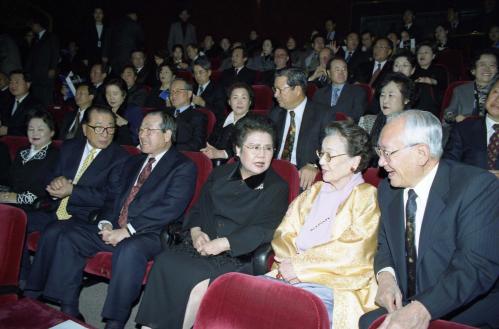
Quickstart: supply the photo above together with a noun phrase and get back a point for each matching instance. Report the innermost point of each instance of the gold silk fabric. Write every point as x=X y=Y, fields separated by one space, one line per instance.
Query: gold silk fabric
x=345 y=263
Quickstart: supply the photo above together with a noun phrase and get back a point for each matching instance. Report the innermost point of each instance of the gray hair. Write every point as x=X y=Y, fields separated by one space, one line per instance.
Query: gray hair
x=421 y=127
x=296 y=78
x=188 y=85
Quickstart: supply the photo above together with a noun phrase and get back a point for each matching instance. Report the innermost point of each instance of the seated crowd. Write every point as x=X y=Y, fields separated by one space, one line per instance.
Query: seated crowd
x=107 y=169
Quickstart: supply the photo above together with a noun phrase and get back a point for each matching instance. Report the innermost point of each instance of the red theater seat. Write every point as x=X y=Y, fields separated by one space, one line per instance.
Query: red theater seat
x=369 y=92
x=12 y=231
x=448 y=95
x=437 y=324
x=212 y=120
x=236 y=300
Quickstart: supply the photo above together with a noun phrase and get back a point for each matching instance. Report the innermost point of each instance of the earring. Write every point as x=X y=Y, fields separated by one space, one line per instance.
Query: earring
x=352 y=169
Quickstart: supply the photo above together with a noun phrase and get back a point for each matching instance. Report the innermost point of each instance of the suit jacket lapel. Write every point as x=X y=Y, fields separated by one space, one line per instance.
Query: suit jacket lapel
x=395 y=233
x=434 y=206
x=132 y=176
x=74 y=165
x=162 y=168
x=98 y=164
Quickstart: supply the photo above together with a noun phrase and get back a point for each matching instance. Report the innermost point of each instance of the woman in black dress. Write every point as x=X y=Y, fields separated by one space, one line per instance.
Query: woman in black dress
x=159 y=97
x=33 y=164
x=219 y=146
x=240 y=206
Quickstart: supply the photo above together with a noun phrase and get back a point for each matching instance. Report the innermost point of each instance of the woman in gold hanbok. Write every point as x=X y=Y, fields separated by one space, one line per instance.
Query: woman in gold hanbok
x=327 y=239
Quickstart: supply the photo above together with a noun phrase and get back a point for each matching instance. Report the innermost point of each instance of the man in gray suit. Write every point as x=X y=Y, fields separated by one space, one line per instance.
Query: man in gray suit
x=437 y=254
x=341 y=96
x=182 y=32
x=469 y=99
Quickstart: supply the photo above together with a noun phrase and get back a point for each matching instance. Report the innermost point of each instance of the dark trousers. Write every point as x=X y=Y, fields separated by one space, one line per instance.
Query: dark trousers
x=60 y=276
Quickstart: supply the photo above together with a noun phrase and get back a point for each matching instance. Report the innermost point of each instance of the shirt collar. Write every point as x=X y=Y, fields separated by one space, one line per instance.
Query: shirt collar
x=183 y=108
x=253 y=182
x=157 y=157
x=489 y=123
x=41 y=33
x=422 y=188
x=20 y=100
x=300 y=108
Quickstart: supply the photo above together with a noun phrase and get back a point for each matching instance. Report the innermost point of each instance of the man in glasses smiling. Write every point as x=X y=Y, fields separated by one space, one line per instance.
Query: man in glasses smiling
x=437 y=252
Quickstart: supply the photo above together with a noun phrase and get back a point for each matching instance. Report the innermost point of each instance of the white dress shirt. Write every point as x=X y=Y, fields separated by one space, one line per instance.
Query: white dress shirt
x=299 y=110
x=489 y=124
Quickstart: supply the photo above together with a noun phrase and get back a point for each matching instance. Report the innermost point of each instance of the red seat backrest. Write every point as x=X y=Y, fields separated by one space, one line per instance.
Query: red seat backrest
x=15 y=143
x=12 y=231
x=311 y=89
x=185 y=75
x=215 y=75
x=340 y=116
x=289 y=173
x=369 y=92
x=452 y=59
x=204 y=167
x=212 y=120
x=237 y=300
x=263 y=98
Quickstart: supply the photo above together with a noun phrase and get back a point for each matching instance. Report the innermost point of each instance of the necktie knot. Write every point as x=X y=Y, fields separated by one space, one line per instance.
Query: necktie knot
x=292 y=114
x=177 y=112
x=496 y=127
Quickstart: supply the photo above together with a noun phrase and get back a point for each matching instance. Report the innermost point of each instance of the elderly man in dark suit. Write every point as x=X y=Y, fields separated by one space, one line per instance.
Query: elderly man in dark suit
x=299 y=122
x=437 y=252
x=191 y=124
x=155 y=189
x=14 y=116
x=476 y=141
x=341 y=96
x=42 y=61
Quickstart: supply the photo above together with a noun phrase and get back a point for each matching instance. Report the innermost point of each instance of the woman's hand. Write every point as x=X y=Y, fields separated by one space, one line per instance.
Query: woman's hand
x=199 y=238
x=214 y=247
x=427 y=80
x=286 y=270
x=213 y=153
x=120 y=121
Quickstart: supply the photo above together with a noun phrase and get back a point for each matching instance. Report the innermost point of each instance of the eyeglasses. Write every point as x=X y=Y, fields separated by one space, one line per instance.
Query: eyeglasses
x=280 y=90
x=387 y=155
x=177 y=91
x=259 y=148
x=148 y=131
x=328 y=157
x=100 y=130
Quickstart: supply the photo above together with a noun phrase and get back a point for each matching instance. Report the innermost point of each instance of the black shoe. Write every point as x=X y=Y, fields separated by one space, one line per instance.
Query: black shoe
x=114 y=324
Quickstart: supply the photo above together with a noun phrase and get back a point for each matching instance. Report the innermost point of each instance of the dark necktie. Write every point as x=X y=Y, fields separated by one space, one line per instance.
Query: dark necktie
x=74 y=126
x=177 y=112
x=349 y=57
x=375 y=74
x=144 y=174
x=290 y=138
x=14 y=109
x=200 y=90
x=410 y=246
x=493 y=148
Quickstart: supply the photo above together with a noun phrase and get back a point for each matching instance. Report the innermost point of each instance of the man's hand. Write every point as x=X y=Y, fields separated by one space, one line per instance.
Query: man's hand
x=307 y=176
x=214 y=247
x=4 y=130
x=495 y=172
x=113 y=237
x=199 y=238
x=388 y=295
x=60 y=187
x=411 y=316
x=198 y=100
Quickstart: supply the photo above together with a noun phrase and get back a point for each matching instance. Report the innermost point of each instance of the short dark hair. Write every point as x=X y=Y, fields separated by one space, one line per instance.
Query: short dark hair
x=296 y=77
x=118 y=82
x=245 y=86
x=104 y=68
x=44 y=116
x=26 y=75
x=335 y=58
x=407 y=54
x=204 y=62
x=193 y=45
x=358 y=141
x=165 y=64
x=129 y=66
x=378 y=39
x=252 y=123
x=318 y=35
x=90 y=87
x=97 y=109
x=245 y=51
x=405 y=84
x=282 y=48
x=167 y=122
x=426 y=44
x=479 y=54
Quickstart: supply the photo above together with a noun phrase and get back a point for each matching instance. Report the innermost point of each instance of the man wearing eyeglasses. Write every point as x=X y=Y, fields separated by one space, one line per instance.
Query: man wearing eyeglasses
x=438 y=256
x=87 y=169
x=374 y=72
x=155 y=189
x=299 y=122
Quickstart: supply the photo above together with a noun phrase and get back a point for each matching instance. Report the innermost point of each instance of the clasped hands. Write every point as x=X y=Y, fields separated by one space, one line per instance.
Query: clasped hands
x=113 y=237
x=286 y=270
x=204 y=246
x=60 y=187
x=389 y=296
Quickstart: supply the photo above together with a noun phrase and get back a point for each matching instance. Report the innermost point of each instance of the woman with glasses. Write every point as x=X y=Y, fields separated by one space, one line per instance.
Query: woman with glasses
x=240 y=206
x=32 y=164
x=219 y=146
x=128 y=117
x=327 y=240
